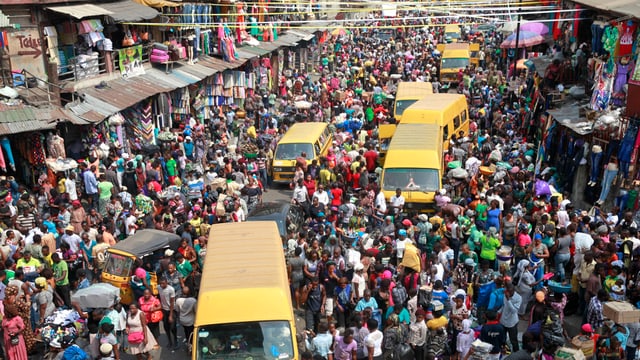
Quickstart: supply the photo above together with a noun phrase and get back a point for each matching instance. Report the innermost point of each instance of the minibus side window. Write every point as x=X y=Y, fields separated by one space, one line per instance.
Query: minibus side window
x=317 y=148
x=456 y=122
x=445 y=134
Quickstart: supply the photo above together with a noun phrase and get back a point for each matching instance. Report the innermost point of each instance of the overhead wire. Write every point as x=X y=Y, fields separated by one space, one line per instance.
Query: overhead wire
x=354 y=23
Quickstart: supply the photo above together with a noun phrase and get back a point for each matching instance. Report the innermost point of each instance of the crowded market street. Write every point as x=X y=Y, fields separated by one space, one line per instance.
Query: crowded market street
x=446 y=180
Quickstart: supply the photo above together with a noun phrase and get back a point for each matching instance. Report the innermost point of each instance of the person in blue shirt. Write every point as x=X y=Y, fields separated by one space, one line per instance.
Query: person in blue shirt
x=403 y=314
x=188 y=147
x=496 y=299
x=366 y=302
x=83 y=282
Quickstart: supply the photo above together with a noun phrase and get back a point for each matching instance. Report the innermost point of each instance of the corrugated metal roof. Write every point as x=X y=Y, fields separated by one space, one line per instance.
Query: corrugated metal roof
x=245 y=54
x=21 y=118
x=288 y=39
x=255 y=50
x=120 y=11
x=119 y=95
x=80 y=11
x=622 y=7
x=128 y=10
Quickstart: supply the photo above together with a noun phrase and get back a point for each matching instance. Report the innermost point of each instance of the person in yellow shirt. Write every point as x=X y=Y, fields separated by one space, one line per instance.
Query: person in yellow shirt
x=46 y=257
x=251 y=131
x=29 y=265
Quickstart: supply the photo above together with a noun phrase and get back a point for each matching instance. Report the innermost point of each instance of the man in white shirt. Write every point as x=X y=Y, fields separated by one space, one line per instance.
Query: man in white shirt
x=321 y=195
x=70 y=187
x=397 y=202
x=373 y=341
x=381 y=204
x=71 y=238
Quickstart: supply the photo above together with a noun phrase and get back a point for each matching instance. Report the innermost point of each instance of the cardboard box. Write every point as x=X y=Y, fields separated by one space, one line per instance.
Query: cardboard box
x=583 y=343
x=565 y=353
x=621 y=312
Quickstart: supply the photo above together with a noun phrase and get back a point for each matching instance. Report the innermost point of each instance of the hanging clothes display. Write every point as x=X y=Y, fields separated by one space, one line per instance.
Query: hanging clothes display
x=6 y=146
x=627 y=35
x=140 y=122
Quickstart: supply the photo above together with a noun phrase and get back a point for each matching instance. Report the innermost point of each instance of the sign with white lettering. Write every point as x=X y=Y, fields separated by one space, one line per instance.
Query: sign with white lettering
x=25 y=51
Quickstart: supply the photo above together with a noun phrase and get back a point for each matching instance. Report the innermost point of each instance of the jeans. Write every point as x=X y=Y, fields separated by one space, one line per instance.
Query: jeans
x=582 y=303
x=513 y=337
x=155 y=329
x=312 y=318
x=170 y=327
x=561 y=262
x=596 y=158
x=65 y=293
x=609 y=176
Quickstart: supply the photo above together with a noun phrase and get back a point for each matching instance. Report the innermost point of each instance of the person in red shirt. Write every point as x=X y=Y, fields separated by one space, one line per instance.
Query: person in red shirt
x=371 y=156
x=355 y=179
x=310 y=184
x=336 y=195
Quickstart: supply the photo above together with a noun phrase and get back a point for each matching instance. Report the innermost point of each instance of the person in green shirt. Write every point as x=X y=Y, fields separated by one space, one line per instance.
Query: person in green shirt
x=105 y=191
x=183 y=265
x=475 y=239
x=61 y=277
x=490 y=244
x=481 y=210
x=172 y=169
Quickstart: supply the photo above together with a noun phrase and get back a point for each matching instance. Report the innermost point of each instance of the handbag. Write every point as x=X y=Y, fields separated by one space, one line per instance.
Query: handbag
x=15 y=339
x=135 y=337
x=156 y=316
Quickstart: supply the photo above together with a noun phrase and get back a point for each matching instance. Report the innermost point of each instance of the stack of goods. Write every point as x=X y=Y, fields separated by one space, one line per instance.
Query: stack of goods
x=177 y=51
x=62 y=328
x=159 y=53
x=481 y=349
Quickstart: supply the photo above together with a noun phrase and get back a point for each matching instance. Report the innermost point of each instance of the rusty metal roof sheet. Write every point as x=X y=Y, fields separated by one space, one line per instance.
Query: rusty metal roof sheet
x=23 y=118
x=120 y=11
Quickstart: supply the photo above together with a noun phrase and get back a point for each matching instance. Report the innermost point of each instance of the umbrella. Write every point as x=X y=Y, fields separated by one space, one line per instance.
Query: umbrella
x=526 y=39
x=99 y=295
x=510 y=27
x=340 y=32
x=535 y=27
x=302 y=105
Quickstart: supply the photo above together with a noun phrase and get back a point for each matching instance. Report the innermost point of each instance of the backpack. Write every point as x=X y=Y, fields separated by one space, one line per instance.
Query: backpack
x=399 y=294
x=229 y=204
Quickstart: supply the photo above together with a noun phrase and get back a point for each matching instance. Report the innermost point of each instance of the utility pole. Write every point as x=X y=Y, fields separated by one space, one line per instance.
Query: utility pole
x=517 y=54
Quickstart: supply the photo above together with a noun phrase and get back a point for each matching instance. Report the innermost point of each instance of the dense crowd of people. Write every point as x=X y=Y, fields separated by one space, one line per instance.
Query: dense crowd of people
x=373 y=279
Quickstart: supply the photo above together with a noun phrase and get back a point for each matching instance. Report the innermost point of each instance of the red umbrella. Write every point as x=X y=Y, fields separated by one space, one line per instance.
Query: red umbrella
x=526 y=39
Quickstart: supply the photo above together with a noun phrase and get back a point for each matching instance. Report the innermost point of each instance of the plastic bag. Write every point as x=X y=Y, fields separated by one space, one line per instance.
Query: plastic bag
x=542 y=188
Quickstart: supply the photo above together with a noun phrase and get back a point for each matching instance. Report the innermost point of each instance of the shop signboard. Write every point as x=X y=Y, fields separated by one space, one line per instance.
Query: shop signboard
x=26 y=53
x=130 y=61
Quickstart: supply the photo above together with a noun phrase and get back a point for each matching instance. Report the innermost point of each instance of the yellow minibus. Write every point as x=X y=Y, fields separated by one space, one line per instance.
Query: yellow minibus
x=408 y=93
x=449 y=111
x=414 y=165
x=452 y=33
x=244 y=306
x=312 y=138
x=455 y=56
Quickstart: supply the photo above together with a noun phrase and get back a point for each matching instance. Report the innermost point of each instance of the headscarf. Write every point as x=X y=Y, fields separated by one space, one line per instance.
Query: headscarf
x=10 y=310
x=522 y=267
x=466 y=325
x=11 y=290
x=395 y=319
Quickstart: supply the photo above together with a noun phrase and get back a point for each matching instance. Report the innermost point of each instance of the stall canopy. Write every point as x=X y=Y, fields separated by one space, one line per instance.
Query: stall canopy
x=120 y=11
x=158 y=3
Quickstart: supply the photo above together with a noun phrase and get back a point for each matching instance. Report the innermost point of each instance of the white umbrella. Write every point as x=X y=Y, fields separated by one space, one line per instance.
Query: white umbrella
x=510 y=26
x=302 y=105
